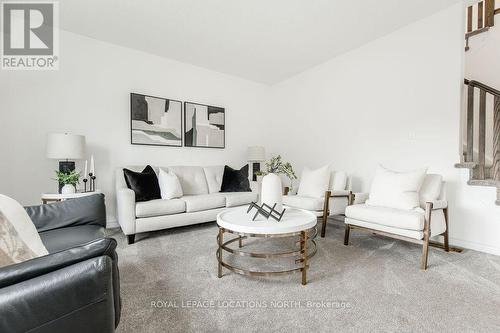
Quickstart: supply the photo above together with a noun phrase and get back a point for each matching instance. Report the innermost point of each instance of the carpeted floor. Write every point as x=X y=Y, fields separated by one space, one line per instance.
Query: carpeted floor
x=169 y=284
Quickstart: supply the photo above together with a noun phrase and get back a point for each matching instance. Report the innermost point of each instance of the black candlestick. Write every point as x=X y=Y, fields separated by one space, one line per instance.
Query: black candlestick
x=85 y=180
x=93 y=183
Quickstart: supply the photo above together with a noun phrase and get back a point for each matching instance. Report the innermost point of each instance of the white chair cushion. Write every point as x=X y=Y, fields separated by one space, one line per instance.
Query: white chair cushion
x=338 y=181
x=431 y=189
x=21 y=222
x=214 y=176
x=392 y=217
x=396 y=189
x=302 y=202
x=438 y=226
x=195 y=203
x=314 y=183
x=192 y=178
x=159 y=207
x=170 y=186
x=234 y=199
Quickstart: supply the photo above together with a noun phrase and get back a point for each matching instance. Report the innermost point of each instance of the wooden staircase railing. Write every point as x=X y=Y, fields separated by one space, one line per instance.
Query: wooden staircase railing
x=485 y=19
x=481 y=174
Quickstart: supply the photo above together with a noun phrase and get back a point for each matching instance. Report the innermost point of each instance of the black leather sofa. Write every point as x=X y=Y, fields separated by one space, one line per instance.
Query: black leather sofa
x=76 y=288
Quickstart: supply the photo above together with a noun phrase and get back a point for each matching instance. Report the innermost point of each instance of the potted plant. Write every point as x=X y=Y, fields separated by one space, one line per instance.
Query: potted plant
x=259 y=175
x=272 y=188
x=69 y=180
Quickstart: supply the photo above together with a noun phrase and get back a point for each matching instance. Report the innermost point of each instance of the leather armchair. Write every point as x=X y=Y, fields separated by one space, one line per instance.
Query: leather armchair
x=73 y=289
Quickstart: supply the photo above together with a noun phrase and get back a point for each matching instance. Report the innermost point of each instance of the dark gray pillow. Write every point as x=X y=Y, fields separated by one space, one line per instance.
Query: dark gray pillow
x=144 y=184
x=235 y=180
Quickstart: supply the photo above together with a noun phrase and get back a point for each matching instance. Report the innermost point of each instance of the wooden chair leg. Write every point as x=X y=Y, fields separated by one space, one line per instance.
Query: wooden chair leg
x=323 y=225
x=427 y=235
x=446 y=243
x=347 y=233
x=326 y=212
x=425 y=254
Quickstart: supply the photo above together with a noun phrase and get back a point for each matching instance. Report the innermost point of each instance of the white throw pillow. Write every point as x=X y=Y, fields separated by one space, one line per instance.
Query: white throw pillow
x=396 y=189
x=314 y=183
x=214 y=176
x=21 y=222
x=170 y=186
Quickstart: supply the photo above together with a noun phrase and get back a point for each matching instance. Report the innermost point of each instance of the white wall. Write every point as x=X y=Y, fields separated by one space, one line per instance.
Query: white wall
x=90 y=95
x=394 y=101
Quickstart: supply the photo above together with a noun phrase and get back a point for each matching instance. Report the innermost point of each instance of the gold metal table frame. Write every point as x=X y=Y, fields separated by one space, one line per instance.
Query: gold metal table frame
x=304 y=253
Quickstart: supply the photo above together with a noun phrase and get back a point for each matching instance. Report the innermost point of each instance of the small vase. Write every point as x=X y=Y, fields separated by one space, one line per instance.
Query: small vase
x=272 y=191
x=68 y=189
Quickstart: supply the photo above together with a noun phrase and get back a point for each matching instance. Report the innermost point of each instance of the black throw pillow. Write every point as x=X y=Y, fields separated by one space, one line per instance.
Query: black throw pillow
x=144 y=184
x=235 y=180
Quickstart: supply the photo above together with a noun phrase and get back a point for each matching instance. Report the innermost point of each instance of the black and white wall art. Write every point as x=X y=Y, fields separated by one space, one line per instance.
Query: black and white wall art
x=155 y=121
x=204 y=126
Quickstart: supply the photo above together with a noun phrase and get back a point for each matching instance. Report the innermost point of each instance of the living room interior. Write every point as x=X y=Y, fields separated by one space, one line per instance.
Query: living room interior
x=222 y=166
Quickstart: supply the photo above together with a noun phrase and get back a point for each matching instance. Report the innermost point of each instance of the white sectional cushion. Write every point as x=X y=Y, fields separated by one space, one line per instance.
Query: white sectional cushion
x=396 y=189
x=307 y=203
x=159 y=207
x=338 y=181
x=392 y=217
x=195 y=203
x=314 y=183
x=192 y=179
x=214 y=176
x=234 y=199
x=431 y=189
x=170 y=186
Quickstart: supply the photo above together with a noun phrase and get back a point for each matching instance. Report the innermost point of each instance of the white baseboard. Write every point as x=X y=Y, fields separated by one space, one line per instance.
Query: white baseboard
x=475 y=246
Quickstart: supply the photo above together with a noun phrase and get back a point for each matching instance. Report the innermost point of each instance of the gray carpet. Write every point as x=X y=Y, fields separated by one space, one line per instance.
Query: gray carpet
x=373 y=285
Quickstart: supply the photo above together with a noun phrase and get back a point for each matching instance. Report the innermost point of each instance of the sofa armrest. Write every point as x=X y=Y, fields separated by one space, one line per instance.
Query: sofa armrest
x=360 y=198
x=75 y=298
x=32 y=268
x=125 y=205
x=89 y=210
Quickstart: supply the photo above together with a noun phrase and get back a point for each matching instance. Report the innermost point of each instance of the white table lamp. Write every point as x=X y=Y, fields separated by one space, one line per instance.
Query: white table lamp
x=66 y=148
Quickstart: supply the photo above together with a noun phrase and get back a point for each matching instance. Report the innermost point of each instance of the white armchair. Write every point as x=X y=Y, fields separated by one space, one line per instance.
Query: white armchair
x=333 y=195
x=417 y=225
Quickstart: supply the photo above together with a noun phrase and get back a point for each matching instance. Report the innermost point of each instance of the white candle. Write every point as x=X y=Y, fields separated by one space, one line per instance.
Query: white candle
x=85 y=174
x=92 y=165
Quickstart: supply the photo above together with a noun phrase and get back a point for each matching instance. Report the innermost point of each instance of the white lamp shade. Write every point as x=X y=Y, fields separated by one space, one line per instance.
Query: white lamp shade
x=63 y=146
x=256 y=154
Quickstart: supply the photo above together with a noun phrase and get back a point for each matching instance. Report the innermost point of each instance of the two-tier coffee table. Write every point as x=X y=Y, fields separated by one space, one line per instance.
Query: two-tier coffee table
x=295 y=223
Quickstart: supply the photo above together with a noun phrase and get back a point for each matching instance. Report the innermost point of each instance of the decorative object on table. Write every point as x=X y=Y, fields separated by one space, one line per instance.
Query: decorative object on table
x=144 y=184
x=155 y=121
x=204 y=126
x=235 y=180
x=258 y=176
x=68 y=181
x=255 y=155
x=66 y=148
x=272 y=188
x=266 y=211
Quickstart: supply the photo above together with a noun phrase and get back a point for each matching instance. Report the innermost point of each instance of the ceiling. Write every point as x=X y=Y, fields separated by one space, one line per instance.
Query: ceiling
x=261 y=40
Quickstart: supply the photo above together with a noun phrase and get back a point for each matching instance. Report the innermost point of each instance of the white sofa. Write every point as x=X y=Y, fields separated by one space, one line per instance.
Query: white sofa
x=417 y=225
x=339 y=196
x=201 y=201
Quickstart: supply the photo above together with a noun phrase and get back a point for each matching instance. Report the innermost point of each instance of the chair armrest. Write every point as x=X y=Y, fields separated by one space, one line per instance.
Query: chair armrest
x=125 y=205
x=74 y=298
x=89 y=210
x=439 y=204
x=32 y=268
x=360 y=198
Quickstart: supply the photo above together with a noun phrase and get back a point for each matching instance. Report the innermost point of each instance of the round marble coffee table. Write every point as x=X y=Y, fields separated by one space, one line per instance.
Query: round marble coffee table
x=295 y=222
